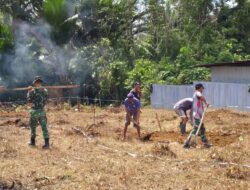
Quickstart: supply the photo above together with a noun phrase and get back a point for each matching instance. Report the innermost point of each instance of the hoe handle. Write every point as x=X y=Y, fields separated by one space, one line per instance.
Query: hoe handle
x=201 y=121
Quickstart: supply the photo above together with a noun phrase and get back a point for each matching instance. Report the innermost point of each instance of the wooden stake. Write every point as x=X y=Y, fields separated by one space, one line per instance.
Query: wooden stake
x=94 y=114
x=69 y=102
x=158 y=121
x=78 y=104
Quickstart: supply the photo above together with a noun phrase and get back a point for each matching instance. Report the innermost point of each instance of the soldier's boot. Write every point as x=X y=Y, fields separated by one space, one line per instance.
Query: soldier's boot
x=46 y=145
x=32 y=142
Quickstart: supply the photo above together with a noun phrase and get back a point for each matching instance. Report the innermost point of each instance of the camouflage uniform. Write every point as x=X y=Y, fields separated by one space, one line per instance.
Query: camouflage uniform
x=202 y=130
x=38 y=98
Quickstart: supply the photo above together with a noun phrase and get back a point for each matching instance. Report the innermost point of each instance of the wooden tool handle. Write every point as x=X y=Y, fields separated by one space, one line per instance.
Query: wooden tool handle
x=2 y=88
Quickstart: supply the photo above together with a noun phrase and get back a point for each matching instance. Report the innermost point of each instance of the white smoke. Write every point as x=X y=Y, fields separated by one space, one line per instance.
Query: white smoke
x=35 y=53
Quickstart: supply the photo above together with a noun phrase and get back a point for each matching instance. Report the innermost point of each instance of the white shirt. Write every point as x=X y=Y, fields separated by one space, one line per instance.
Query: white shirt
x=198 y=107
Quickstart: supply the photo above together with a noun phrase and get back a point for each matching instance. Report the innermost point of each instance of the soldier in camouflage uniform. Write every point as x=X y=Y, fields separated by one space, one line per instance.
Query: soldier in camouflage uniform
x=38 y=97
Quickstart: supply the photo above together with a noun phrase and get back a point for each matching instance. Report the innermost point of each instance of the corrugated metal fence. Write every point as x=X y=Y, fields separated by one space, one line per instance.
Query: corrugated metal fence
x=220 y=95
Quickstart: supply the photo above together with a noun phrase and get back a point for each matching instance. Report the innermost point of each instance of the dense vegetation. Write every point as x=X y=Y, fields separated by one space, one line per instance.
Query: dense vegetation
x=109 y=44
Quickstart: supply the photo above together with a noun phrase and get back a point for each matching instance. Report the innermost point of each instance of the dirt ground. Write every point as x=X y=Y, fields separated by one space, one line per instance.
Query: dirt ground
x=87 y=151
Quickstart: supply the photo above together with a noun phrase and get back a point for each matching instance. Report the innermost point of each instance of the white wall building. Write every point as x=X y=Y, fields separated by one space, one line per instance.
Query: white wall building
x=231 y=72
x=229 y=88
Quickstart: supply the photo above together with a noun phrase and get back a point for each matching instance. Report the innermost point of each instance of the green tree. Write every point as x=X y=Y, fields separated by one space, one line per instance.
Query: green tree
x=6 y=36
x=145 y=72
x=56 y=15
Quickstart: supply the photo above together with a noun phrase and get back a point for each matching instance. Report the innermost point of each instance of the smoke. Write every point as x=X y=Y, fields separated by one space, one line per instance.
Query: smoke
x=35 y=53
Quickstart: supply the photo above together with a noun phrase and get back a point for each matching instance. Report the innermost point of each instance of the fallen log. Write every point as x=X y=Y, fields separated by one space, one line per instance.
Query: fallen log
x=3 y=89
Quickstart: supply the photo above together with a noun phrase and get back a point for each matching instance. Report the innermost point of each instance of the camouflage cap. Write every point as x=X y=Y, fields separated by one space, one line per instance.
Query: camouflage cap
x=37 y=78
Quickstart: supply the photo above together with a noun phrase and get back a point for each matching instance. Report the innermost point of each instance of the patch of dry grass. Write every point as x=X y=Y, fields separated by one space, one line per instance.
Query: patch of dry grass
x=104 y=161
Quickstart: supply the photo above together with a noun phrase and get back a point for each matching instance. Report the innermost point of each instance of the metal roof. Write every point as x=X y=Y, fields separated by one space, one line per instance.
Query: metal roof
x=245 y=63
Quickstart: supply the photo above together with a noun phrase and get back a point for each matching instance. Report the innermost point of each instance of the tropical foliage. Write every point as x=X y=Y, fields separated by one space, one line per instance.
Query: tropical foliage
x=109 y=44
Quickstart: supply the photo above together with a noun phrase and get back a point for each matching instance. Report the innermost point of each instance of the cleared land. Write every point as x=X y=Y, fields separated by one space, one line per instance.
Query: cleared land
x=88 y=152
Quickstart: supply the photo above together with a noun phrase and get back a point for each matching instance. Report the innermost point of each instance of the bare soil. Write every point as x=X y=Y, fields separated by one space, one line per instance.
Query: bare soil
x=88 y=152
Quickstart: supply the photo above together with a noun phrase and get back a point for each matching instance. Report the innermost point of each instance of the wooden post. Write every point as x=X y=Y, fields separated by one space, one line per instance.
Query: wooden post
x=58 y=103
x=100 y=101
x=69 y=102
x=94 y=115
x=78 y=103
x=158 y=121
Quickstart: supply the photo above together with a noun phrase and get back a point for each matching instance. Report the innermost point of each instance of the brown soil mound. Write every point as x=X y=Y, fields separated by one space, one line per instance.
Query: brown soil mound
x=217 y=139
x=162 y=149
x=237 y=172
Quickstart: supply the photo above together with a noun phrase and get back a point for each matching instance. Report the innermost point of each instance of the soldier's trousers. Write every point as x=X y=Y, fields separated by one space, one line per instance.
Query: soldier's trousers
x=38 y=116
x=202 y=130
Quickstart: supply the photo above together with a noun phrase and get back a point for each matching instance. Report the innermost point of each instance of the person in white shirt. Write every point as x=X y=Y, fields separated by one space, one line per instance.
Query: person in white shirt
x=181 y=108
